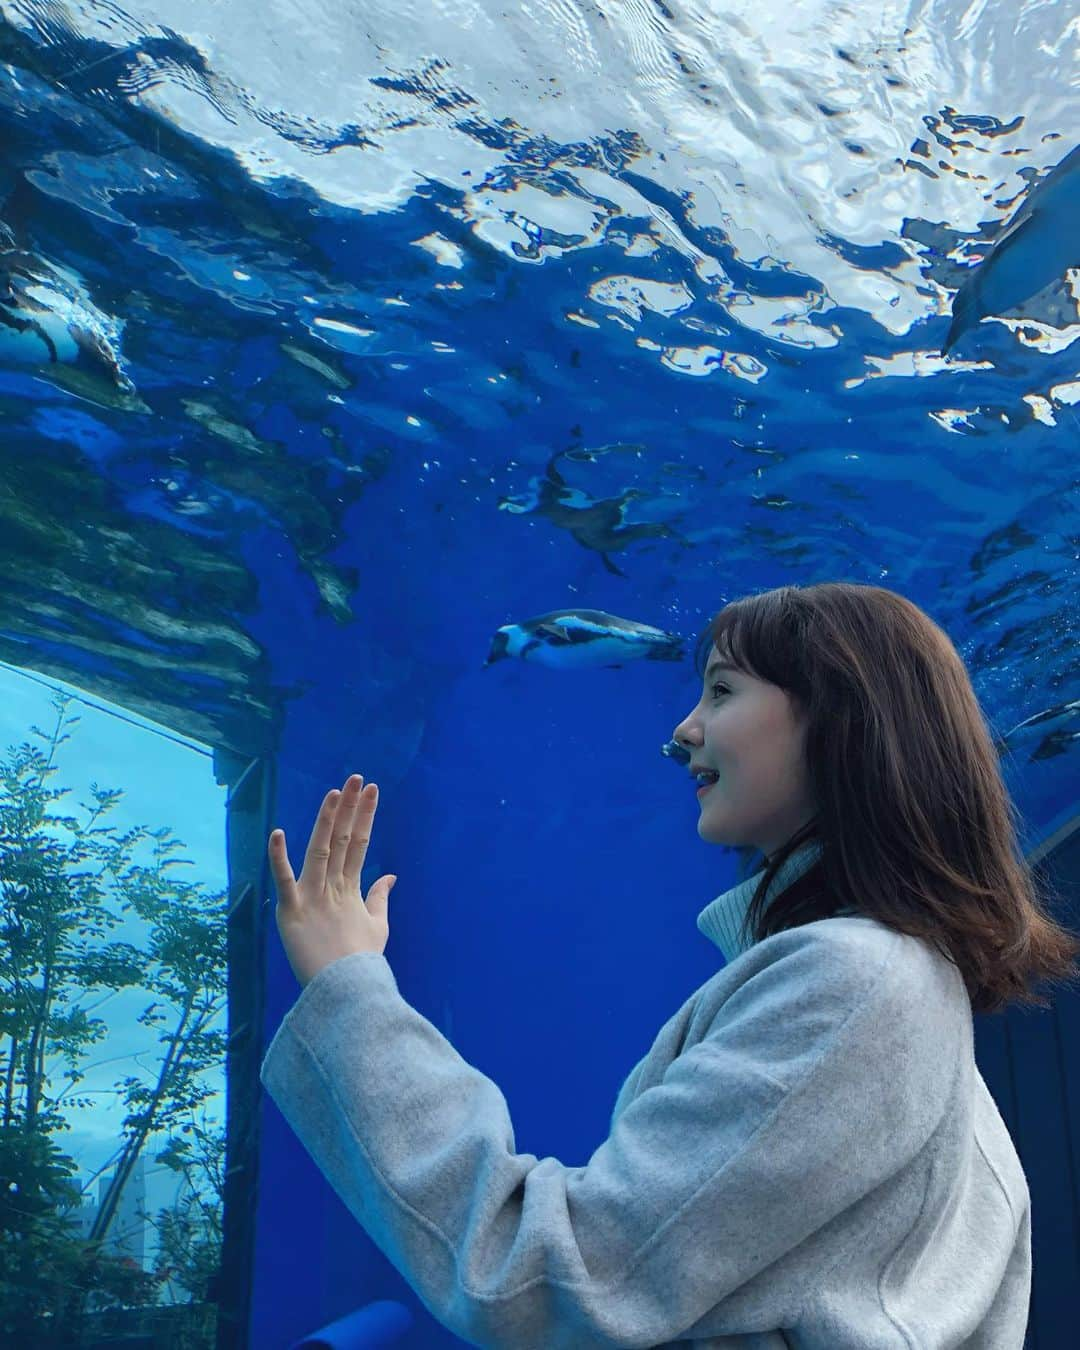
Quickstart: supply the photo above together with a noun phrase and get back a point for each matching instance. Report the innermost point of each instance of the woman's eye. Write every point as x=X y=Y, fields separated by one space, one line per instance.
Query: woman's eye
x=720 y=686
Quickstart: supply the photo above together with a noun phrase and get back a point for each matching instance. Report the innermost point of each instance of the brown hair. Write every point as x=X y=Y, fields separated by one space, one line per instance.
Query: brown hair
x=917 y=828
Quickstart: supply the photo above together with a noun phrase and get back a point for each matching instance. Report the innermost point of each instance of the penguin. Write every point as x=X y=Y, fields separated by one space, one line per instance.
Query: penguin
x=1036 y=248
x=46 y=319
x=583 y=638
x=1056 y=740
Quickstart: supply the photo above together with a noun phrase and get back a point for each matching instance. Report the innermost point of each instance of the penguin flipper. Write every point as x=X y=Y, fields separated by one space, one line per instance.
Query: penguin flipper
x=976 y=298
x=553 y=630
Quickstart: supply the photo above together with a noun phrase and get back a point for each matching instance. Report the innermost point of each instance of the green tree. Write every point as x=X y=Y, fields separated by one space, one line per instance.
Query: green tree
x=61 y=898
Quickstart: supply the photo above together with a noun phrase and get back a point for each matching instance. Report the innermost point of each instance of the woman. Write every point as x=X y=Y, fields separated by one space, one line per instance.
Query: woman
x=807 y=1155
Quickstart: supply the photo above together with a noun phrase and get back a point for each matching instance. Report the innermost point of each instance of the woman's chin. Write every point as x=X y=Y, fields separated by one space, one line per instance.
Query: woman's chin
x=709 y=831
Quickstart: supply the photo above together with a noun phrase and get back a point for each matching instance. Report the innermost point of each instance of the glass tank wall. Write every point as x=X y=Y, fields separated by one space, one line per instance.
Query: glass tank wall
x=339 y=347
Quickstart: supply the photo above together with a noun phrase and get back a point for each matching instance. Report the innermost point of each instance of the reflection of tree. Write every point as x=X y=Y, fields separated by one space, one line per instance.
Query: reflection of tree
x=55 y=951
x=189 y=1235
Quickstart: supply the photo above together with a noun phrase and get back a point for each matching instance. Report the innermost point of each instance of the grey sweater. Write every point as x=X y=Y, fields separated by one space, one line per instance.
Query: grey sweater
x=807 y=1156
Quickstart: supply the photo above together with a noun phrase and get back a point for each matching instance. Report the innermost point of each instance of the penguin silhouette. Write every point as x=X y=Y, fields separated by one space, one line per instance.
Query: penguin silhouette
x=46 y=317
x=1039 y=244
x=583 y=638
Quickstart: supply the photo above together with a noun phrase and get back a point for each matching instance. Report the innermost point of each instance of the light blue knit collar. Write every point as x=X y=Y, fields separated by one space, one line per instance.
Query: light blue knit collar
x=721 y=920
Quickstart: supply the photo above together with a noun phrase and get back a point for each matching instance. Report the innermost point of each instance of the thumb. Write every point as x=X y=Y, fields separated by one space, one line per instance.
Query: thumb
x=379 y=895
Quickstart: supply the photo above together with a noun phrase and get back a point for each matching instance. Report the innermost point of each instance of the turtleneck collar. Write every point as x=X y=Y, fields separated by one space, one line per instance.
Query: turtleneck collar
x=721 y=921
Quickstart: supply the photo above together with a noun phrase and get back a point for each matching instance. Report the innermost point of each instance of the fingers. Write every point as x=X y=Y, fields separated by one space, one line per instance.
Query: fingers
x=320 y=845
x=338 y=844
x=281 y=869
x=339 y=841
x=360 y=834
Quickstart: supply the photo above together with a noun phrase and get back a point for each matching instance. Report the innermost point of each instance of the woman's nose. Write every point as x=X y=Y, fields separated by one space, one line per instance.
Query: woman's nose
x=683 y=732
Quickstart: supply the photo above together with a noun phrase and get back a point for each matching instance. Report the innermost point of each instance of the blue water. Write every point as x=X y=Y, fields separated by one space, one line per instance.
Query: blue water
x=334 y=340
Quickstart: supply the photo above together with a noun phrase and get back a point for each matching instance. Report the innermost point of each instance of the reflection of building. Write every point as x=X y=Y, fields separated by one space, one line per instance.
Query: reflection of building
x=133 y=1233
x=127 y=1232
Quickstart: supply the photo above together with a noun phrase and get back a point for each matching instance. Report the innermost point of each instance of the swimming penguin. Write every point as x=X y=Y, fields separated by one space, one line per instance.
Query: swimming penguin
x=583 y=638
x=1037 y=247
x=47 y=319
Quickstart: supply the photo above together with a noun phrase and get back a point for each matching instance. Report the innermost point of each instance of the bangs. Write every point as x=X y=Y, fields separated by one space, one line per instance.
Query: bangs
x=738 y=635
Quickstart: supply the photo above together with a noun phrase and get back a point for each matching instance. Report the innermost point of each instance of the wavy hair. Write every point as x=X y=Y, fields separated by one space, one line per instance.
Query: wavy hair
x=917 y=828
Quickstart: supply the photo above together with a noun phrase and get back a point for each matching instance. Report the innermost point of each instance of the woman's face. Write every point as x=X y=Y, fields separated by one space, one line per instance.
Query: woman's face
x=749 y=733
